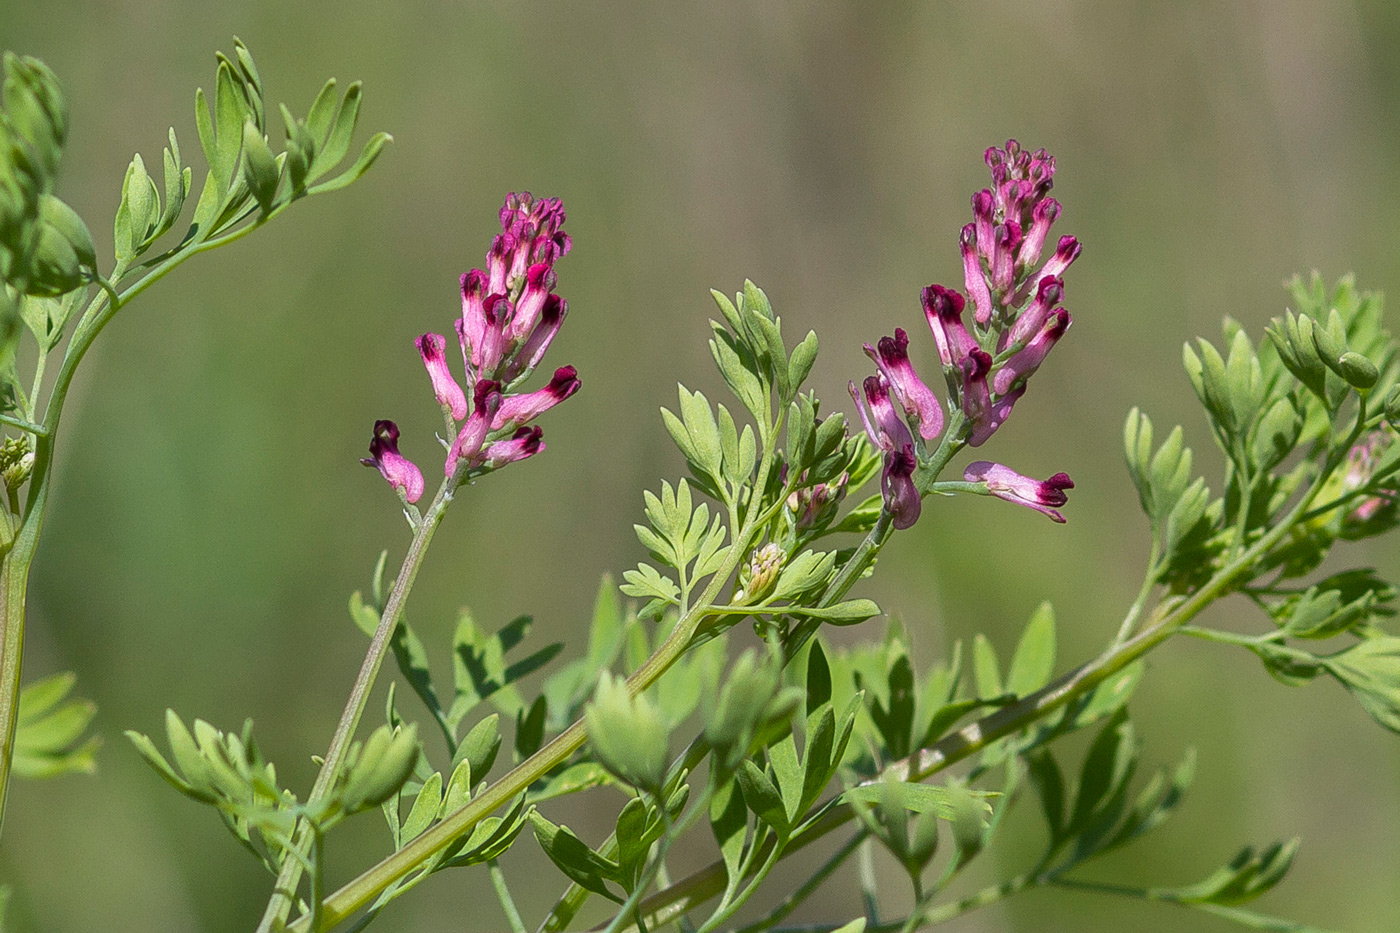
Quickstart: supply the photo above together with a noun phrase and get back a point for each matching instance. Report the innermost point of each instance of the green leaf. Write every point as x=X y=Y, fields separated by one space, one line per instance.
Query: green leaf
x=803 y=356
x=850 y=612
x=479 y=747
x=260 y=167
x=48 y=740
x=762 y=797
x=424 y=811
x=229 y=110
x=582 y=865
x=818 y=677
x=1034 y=660
x=1247 y=876
x=985 y=669
x=1370 y=670
x=368 y=156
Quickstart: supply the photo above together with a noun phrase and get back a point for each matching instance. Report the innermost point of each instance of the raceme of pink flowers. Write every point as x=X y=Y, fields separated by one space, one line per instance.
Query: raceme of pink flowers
x=510 y=315
x=987 y=362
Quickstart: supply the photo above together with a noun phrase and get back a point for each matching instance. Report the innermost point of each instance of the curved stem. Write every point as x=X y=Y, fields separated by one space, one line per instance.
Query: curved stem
x=283 y=896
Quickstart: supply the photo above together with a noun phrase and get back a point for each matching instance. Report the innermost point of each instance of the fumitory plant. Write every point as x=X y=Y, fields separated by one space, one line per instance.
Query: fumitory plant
x=708 y=709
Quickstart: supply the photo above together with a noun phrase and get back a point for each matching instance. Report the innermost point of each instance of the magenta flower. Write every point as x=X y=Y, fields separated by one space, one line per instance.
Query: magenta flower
x=525 y=442
x=1023 y=364
x=510 y=316
x=385 y=457
x=918 y=401
x=1005 y=483
x=521 y=409
x=883 y=426
x=901 y=496
x=449 y=394
x=943 y=307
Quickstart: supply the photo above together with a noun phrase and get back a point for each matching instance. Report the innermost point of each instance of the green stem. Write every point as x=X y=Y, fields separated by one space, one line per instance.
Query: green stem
x=14 y=570
x=498 y=881
x=283 y=896
x=807 y=888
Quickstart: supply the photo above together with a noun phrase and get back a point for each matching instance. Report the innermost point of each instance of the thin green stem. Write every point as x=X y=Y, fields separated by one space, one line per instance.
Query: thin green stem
x=27 y=426
x=1149 y=582
x=280 y=904
x=498 y=881
x=808 y=887
x=728 y=910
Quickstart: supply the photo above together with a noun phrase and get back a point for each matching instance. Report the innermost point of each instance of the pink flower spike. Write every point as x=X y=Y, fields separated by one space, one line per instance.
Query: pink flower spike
x=525 y=443
x=897 y=487
x=1023 y=364
x=943 y=307
x=520 y=409
x=539 y=282
x=916 y=398
x=973 y=279
x=473 y=327
x=433 y=347
x=485 y=403
x=397 y=469
x=1042 y=216
x=1005 y=483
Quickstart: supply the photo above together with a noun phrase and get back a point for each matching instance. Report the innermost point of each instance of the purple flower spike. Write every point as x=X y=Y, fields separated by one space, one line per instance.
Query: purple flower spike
x=973 y=279
x=1005 y=483
x=1023 y=364
x=525 y=443
x=485 y=404
x=397 y=469
x=520 y=409
x=916 y=398
x=433 y=347
x=943 y=307
x=897 y=487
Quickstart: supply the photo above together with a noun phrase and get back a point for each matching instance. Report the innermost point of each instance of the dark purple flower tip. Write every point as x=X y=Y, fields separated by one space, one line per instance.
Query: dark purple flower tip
x=1066 y=252
x=539 y=282
x=1005 y=483
x=1043 y=215
x=524 y=443
x=398 y=470
x=520 y=409
x=916 y=398
x=901 y=496
x=943 y=308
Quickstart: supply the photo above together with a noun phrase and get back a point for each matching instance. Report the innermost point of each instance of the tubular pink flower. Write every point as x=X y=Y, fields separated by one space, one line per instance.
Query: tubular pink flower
x=488 y=354
x=883 y=426
x=1005 y=483
x=499 y=259
x=524 y=443
x=397 y=469
x=976 y=396
x=1042 y=216
x=916 y=398
x=984 y=222
x=485 y=403
x=519 y=409
x=532 y=351
x=943 y=307
x=1023 y=364
x=1032 y=320
x=539 y=282
x=1006 y=242
x=1065 y=254
x=433 y=347
x=973 y=279
x=996 y=416
x=897 y=487
x=472 y=329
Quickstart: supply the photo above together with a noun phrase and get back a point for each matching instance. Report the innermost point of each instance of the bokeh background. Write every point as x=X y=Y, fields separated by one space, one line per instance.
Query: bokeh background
x=210 y=518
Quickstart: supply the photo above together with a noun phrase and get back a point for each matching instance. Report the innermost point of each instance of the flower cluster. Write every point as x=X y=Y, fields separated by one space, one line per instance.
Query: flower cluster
x=510 y=316
x=1016 y=320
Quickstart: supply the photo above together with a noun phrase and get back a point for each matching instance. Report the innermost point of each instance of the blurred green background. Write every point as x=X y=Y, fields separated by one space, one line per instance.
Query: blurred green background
x=210 y=518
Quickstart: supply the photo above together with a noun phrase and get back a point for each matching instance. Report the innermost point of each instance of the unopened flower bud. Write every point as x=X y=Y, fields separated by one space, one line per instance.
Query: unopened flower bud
x=16 y=461
x=757 y=577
